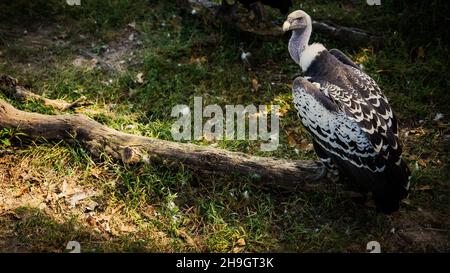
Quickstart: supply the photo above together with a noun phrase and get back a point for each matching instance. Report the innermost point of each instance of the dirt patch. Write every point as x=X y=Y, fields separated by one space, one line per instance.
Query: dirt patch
x=36 y=46
x=116 y=56
x=61 y=198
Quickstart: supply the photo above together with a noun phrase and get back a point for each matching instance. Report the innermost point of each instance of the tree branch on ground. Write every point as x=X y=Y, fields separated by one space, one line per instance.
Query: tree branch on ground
x=349 y=35
x=131 y=149
x=11 y=88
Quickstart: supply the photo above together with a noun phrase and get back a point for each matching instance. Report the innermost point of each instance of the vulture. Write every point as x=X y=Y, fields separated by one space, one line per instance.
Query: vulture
x=354 y=129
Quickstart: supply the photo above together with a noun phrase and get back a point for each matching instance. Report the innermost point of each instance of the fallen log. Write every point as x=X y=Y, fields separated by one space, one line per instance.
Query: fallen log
x=130 y=149
x=21 y=93
x=349 y=35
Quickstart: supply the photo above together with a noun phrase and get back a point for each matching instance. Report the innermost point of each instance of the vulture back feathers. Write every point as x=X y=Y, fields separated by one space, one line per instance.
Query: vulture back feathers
x=353 y=126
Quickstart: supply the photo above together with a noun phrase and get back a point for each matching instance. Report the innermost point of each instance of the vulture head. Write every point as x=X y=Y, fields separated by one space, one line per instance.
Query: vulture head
x=297 y=20
x=301 y=25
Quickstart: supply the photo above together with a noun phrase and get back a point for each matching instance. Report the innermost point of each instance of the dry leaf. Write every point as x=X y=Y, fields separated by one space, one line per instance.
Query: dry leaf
x=127 y=228
x=306 y=146
x=255 y=85
x=91 y=221
x=437 y=162
x=422 y=163
x=423 y=188
x=22 y=192
x=117 y=209
x=96 y=172
x=198 y=60
x=139 y=78
x=77 y=197
x=291 y=140
x=186 y=237
x=84 y=63
x=237 y=249
x=406 y=201
x=241 y=242
x=282 y=112
x=91 y=205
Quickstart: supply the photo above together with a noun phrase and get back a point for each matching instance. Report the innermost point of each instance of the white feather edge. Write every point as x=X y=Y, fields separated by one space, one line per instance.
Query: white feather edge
x=309 y=54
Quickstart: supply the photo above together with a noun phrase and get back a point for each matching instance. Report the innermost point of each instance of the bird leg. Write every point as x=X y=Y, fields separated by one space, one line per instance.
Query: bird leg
x=333 y=175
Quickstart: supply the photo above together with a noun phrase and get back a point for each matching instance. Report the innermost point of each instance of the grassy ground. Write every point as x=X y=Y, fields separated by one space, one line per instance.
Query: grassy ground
x=153 y=208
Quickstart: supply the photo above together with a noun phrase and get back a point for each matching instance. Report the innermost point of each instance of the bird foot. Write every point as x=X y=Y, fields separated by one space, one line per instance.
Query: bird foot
x=333 y=176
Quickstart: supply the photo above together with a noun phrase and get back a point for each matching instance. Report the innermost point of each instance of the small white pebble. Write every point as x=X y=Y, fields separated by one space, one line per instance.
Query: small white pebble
x=438 y=117
x=245 y=194
x=193 y=11
x=245 y=56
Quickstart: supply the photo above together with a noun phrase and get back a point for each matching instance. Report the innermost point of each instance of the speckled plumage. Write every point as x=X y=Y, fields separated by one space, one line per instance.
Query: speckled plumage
x=351 y=122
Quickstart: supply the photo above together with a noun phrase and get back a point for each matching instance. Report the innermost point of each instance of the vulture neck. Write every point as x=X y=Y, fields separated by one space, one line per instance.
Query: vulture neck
x=302 y=53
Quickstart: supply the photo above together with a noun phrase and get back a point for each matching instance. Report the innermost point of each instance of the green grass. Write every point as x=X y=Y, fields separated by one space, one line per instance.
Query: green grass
x=181 y=57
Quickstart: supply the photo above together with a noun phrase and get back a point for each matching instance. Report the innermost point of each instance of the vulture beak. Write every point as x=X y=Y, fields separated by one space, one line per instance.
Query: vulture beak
x=294 y=23
x=287 y=25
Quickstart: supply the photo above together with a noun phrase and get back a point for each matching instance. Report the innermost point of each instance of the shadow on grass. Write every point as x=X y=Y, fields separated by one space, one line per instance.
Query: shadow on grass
x=31 y=230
